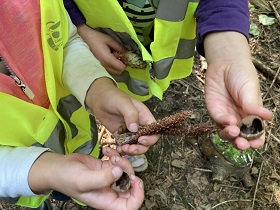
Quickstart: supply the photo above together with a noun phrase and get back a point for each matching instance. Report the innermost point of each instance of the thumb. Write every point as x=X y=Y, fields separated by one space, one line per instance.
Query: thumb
x=102 y=178
x=252 y=103
x=255 y=109
x=131 y=117
x=137 y=193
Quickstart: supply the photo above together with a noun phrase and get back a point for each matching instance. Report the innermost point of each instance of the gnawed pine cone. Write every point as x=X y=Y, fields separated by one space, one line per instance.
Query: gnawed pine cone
x=131 y=59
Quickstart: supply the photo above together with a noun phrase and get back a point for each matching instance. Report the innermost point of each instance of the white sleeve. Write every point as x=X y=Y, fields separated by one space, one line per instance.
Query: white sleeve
x=15 y=164
x=81 y=68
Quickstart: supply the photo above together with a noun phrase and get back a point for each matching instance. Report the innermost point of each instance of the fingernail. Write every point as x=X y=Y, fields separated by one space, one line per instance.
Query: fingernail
x=133 y=127
x=107 y=149
x=143 y=141
x=116 y=159
x=132 y=177
x=117 y=171
x=233 y=133
x=141 y=184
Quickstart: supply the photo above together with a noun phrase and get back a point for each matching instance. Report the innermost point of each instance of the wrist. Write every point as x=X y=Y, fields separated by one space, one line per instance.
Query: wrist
x=98 y=90
x=83 y=29
x=42 y=173
x=226 y=46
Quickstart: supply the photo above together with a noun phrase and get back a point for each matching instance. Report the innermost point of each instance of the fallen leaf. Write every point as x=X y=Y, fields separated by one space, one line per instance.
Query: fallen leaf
x=265 y=20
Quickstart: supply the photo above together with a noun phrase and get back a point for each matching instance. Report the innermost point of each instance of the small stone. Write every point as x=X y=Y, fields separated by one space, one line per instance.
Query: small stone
x=254 y=170
x=178 y=164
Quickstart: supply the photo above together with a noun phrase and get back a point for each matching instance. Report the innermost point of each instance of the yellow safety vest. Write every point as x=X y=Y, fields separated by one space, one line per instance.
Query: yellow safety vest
x=172 y=51
x=65 y=127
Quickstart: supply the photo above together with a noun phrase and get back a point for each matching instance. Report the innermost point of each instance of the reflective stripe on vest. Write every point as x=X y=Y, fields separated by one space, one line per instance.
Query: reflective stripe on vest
x=172 y=49
x=65 y=127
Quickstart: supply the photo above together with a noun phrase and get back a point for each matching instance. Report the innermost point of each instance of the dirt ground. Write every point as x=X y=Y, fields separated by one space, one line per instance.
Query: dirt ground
x=177 y=177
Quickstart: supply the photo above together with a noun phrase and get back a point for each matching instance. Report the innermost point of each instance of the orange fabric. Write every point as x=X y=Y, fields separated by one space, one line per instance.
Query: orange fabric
x=21 y=48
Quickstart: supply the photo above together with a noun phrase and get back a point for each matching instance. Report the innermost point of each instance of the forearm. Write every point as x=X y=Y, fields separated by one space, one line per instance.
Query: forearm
x=226 y=46
x=15 y=164
x=43 y=174
x=80 y=67
x=98 y=90
x=217 y=16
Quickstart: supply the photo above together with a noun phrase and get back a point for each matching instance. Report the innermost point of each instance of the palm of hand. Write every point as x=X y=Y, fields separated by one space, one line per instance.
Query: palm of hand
x=232 y=92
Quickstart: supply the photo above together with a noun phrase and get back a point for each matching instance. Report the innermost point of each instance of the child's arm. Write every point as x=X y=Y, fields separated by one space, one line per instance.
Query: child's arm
x=15 y=163
x=99 y=43
x=216 y=16
x=232 y=88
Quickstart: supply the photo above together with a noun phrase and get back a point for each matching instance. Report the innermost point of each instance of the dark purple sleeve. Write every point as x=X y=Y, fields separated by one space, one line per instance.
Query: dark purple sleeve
x=74 y=12
x=221 y=15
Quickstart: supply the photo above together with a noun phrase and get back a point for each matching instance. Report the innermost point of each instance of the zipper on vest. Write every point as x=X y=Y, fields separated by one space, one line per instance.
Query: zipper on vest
x=28 y=92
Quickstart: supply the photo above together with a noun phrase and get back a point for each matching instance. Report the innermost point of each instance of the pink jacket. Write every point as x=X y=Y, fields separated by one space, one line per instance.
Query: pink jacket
x=20 y=39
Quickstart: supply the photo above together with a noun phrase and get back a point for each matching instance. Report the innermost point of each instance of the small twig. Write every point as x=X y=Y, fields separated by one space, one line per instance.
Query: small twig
x=228 y=201
x=275 y=138
x=201 y=80
x=272 y=83
x=269 y=132
x=257 y=184
x=233 y=187
x=275 y=11
x=268 y=137
x=202 y=169
x=264 y=69
x=159 y=161
x=184 y=201
x=273 y=97
x=201 y=90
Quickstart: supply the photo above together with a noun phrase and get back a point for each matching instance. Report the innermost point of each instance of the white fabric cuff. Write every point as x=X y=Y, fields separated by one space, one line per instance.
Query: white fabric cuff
x=15 y=164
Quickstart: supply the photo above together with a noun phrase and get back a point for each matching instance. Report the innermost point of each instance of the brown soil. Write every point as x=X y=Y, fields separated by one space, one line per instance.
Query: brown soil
x=177 y=177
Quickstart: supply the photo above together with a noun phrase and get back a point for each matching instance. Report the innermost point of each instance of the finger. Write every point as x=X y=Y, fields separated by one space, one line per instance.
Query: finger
x=107 y=151
x=114 y=65
x=140 y=115
x=146 y=115
x=115 y=45
x=113 y=70
x=257 y=143
x=148 y=140
x=229 y=132
x=123 y=163
x=134 y=149
x=131 y=115
x=262 y=112
x=98 y=179
x=241 y=143
x=136 y=192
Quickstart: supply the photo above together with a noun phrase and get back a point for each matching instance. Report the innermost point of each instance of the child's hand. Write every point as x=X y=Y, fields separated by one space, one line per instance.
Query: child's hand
x=112 y=107
x=100 y=45
x=232 y=87
x=87 y=179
